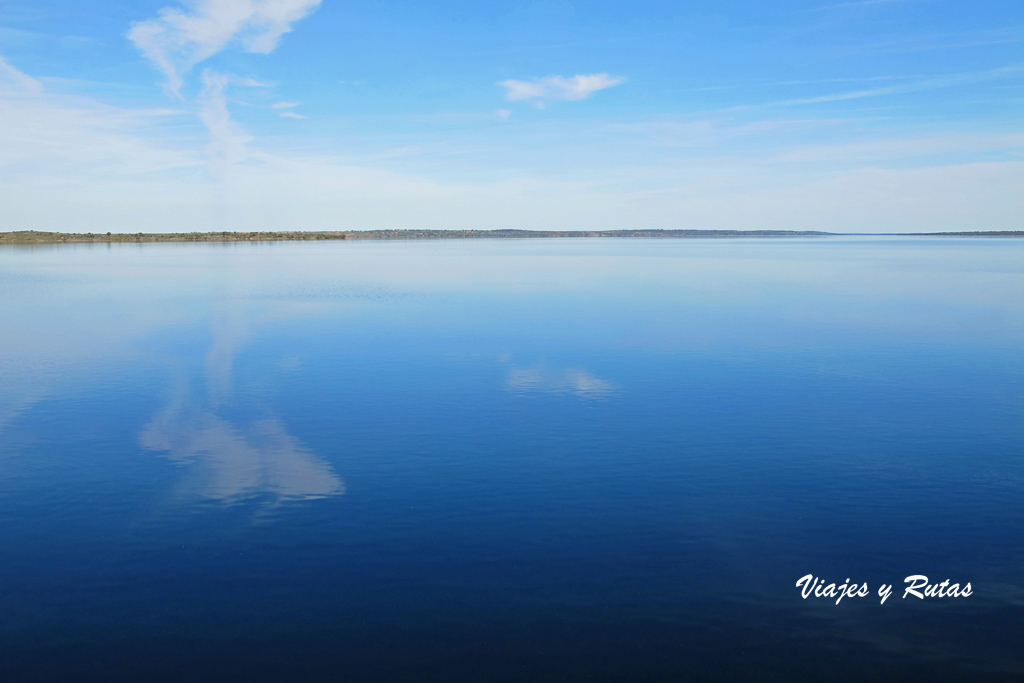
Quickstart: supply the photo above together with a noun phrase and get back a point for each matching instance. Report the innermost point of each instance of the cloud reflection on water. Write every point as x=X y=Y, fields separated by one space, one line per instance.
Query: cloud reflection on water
x=539 y=379
x=240 y=460
x=235 y=459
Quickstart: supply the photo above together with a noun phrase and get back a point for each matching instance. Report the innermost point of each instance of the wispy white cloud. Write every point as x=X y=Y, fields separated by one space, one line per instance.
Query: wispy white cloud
x=948 y=81
x=227 y=140
x=177 y=40
x=47 y=138
x=558 y=87
x=73 y=163
x=287 y=106
x=906 y=149
x=13 y=81
x=253 y=83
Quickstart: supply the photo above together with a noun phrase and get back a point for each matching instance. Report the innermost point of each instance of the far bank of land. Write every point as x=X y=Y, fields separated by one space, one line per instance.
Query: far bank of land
x=39 y=237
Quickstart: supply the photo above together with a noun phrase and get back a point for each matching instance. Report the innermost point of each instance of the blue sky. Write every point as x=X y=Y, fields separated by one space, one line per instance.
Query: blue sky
x=863 y=116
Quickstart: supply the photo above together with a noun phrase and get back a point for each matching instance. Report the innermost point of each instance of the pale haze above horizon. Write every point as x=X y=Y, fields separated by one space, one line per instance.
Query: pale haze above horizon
x=201 y=115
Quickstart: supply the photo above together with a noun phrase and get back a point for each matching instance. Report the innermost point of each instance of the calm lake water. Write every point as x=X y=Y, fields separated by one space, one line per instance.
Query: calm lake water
x=511 y=460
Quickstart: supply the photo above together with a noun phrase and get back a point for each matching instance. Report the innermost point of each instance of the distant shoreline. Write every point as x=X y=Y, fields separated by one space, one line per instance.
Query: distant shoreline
x=37 y=237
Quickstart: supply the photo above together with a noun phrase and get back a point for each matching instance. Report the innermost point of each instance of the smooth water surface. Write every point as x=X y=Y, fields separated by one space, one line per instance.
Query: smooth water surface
x=510 y=460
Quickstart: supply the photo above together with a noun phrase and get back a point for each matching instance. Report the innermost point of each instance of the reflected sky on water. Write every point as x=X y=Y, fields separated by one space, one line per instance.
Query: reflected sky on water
x=510 y=460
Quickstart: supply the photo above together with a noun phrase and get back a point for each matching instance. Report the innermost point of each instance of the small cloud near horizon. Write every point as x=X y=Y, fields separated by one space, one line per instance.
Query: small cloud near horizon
x=573 y=89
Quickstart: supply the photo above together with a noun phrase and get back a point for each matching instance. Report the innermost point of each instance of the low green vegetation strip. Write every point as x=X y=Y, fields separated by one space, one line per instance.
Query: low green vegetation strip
x=37 y=237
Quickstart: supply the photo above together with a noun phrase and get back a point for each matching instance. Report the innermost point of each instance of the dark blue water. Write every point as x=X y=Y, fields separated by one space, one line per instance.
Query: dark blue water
x=511 y=460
